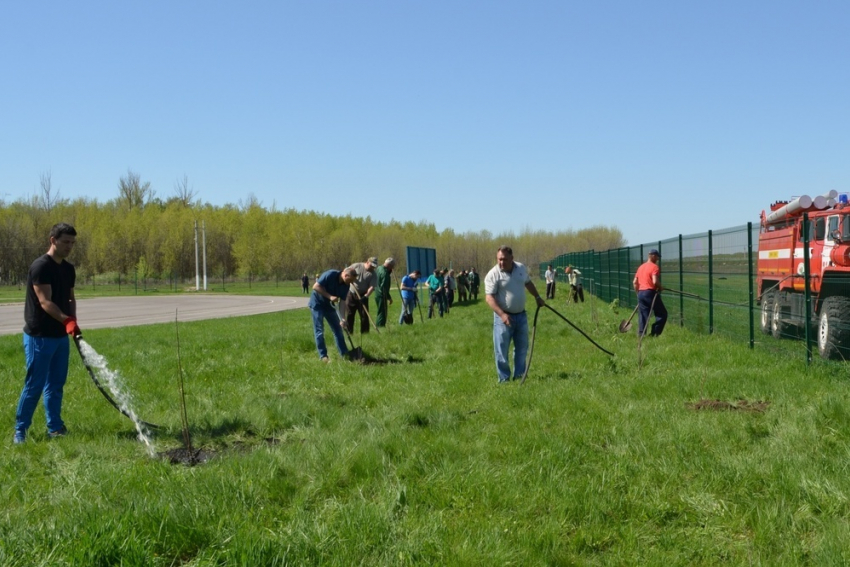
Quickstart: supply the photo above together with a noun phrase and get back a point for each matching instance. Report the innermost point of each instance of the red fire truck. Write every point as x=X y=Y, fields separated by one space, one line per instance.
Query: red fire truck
x=781 y=271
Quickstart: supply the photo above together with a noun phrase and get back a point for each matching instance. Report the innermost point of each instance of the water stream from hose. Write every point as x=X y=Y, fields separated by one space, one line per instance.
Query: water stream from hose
x=113 y=381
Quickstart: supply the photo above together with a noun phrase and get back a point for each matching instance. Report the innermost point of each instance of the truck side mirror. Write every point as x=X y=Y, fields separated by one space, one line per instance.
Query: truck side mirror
x=836 y=235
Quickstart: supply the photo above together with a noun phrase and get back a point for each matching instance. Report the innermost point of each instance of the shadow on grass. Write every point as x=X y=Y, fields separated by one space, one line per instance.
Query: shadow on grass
x=374 y=361
x=556 y=376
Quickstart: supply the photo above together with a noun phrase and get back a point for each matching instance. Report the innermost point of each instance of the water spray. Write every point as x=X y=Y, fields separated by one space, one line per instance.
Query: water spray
x=96 y=365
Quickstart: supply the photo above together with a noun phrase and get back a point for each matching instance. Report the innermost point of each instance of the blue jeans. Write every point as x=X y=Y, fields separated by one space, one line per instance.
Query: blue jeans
x=407 y=306
x=319 y=316
x=47 y=369
x=502 y=337
x=644 y=303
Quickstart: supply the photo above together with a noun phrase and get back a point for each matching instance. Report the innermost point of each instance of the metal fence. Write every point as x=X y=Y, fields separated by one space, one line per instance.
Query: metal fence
x=715 y=275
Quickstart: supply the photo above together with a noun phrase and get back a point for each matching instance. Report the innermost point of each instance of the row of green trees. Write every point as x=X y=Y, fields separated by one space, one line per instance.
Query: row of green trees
x=139 y=233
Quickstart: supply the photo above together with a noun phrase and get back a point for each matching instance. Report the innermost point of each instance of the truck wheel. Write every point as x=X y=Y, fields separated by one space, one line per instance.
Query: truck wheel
x=779 y=325
x=834 y=328
x=766 y=312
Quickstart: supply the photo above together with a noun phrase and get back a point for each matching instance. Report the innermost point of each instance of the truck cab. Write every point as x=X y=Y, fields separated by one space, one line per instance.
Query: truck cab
x=782 y=272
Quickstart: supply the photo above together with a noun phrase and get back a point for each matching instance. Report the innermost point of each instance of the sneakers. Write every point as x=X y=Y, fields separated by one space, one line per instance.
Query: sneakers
x=20 y=438
x=61 y=432
x=325 y=359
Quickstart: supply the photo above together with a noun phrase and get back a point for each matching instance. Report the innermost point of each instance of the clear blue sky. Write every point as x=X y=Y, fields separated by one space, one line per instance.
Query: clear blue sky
x=658 y=118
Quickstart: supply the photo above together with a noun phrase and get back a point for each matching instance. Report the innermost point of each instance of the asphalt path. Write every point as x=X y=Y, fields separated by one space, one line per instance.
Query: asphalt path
x=100 y=313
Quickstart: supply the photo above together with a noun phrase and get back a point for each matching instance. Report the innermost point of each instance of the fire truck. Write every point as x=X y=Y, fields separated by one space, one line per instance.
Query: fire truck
x=781 y=271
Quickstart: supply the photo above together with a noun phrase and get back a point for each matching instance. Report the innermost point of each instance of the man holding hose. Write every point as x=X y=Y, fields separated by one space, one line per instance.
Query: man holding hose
x=647 y=284
x=49 y=314
x=504 y=288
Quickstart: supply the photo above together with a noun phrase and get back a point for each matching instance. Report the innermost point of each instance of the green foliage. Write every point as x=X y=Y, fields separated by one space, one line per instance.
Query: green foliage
x=425 y=460
x=249 y=241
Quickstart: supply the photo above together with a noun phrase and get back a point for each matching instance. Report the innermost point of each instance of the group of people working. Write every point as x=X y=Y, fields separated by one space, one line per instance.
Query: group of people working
x=504 y=288
x=443 y=287
x=339 y=296
x=573 y=276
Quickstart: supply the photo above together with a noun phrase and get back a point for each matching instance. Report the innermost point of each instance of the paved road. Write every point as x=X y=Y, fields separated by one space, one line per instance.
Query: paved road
x=128 y=311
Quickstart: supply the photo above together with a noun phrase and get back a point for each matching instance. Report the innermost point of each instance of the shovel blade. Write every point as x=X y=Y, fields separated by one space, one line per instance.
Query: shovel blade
x=625 y=326
x=355 y=354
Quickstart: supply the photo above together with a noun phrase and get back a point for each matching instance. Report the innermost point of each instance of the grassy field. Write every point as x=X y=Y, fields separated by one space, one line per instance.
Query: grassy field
x=423 y=459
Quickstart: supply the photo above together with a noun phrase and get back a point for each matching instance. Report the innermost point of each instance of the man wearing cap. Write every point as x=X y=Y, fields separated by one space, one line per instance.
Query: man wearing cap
x=576 y=289
x=382 y=291
x=361 y=289
x=504 y=289
x=647 y=284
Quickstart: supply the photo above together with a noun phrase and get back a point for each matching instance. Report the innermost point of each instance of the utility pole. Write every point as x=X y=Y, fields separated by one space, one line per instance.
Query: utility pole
x=204 y=237
x=197 y=267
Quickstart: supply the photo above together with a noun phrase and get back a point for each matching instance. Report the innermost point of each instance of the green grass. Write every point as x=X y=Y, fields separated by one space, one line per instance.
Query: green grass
x=426 y=460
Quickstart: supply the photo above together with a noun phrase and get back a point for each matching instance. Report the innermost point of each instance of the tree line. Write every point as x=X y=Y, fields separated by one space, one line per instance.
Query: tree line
x=140 y=233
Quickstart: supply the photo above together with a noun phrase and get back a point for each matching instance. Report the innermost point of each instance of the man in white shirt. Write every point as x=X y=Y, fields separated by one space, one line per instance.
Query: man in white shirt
x=550 y=283
x=576 y=290
x=504 y=289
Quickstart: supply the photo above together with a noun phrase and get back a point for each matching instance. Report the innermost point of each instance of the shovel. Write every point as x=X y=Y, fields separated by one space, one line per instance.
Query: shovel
x=366 y=311
x=626 y=324
x=354 y=353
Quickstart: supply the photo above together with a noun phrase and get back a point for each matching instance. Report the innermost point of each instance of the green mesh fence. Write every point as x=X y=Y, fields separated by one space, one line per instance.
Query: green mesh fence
x=710 y=282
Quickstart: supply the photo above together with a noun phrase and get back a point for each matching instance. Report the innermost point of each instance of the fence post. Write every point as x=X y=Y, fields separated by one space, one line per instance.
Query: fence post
x=640 y=261
x=710 y=284
x=808 y=296
x=681 y=285
x=750 y=274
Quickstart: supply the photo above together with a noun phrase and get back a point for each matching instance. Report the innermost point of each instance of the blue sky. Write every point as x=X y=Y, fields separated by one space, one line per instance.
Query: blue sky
x=658 y=118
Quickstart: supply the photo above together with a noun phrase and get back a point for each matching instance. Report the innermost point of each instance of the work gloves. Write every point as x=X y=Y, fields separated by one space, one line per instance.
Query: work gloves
x=71 y=327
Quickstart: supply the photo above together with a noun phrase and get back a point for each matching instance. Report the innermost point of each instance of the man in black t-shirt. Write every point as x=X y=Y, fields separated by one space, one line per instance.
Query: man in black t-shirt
x=49 y=314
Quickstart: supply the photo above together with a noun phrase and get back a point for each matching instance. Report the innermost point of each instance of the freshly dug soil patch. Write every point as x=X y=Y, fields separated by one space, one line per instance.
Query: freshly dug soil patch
x=183 y=456
x=720 y=405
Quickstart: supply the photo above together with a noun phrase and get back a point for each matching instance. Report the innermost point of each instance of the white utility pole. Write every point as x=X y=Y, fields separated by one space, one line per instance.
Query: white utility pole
x=204 y=236
x=197 y=267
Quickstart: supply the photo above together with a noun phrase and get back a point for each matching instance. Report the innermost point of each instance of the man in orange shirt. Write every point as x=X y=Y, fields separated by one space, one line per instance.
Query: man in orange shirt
x=647 y=284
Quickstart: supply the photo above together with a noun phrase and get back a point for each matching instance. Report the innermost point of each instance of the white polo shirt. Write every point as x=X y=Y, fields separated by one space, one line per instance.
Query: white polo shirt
x=508 y=288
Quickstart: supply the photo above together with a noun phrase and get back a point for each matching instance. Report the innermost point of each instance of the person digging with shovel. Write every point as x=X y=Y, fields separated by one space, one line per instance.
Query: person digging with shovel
x=408 y=296
x=331 y=287
x=647 y=284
